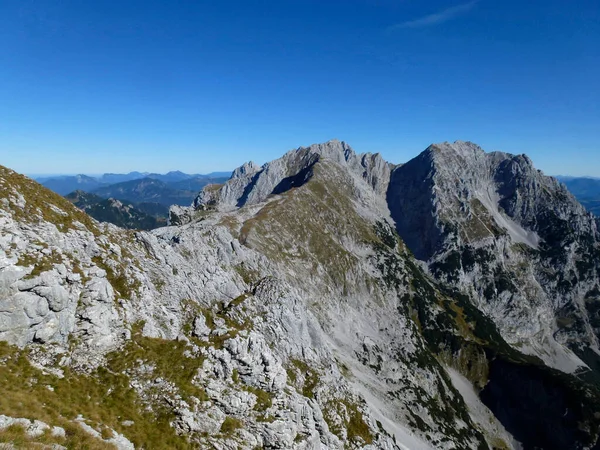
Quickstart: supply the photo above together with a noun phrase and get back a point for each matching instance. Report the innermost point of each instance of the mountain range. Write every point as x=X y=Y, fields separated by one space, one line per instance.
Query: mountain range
x=147 y=196
x=149 y=190
x=66 y=184
x=587 y=191
x=324 y=300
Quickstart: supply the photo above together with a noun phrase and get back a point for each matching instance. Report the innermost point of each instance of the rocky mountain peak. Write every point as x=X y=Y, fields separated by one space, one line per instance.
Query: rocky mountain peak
x=451 y=182
x=464 y=149
x=455 y=201
x=335 y=150
x=248 y=168
x=251 y=184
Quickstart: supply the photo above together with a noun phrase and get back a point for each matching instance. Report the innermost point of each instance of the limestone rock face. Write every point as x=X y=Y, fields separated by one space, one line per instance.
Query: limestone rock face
x=180 y=215
x=286 y=308
x=251 y=184
x=513 y=239
x=248 y=168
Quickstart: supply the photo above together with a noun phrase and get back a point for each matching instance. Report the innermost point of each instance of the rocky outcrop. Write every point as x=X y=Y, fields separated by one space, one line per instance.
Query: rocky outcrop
x=35 y=432
x=514 y=240
x=32 y=428
x=251 y=184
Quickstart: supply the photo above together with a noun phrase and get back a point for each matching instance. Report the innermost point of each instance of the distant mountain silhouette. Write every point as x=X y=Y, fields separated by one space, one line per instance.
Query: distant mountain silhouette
x=64 y=184
x=147 y=190
x=586 y=189
x=177 y=187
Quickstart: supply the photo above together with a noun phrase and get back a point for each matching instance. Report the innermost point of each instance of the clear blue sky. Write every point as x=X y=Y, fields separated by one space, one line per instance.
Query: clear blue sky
x=94 y=86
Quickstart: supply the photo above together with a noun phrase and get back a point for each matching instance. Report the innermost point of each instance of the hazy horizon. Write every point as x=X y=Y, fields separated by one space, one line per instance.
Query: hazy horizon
x=95 y=175
x=89 y=174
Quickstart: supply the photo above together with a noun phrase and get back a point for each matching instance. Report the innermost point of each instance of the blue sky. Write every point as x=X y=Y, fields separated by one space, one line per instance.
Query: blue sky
x=206 y=85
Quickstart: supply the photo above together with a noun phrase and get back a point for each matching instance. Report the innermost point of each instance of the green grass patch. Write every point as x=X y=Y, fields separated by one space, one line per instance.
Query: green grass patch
x=105 y=396
x=167 y=356
x=264 y=399
x=310 y=375
x=357 y=430
x=232 y=322
x=41 y=262
x=75 y=438
x=230 y=425
x=124 y=285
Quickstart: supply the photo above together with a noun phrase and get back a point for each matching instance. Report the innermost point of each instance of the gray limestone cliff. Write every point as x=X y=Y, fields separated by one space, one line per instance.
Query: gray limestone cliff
x=514 y=240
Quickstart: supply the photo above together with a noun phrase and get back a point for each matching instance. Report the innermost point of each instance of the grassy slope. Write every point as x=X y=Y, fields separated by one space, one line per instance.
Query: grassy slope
x=40 y=204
